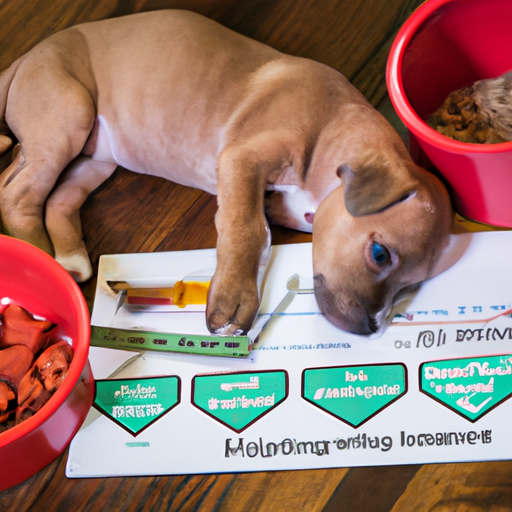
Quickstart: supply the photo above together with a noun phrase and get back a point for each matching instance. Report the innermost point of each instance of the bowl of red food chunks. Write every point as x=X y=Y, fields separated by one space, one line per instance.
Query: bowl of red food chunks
x=46 y=384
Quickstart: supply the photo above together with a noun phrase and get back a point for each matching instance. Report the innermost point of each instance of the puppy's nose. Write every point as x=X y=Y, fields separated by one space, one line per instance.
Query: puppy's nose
x=364 y=325
x=343 y=310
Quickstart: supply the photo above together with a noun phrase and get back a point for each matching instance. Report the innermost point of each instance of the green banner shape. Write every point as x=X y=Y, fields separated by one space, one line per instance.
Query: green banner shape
x=471 y=386
x=239 y=399
x=354 y=394
x=136 y=403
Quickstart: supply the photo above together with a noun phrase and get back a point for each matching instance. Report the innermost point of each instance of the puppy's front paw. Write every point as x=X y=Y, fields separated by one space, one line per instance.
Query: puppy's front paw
x=231 y=307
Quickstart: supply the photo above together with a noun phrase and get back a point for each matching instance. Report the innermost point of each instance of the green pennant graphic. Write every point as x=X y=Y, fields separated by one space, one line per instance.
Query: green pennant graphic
x=136 y=403
x=239 y=399
x=354 y=394
x=470 y=386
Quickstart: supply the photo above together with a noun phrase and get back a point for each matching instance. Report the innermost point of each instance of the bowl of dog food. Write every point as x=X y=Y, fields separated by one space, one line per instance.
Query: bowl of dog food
x=46 y=384
x=448 y=80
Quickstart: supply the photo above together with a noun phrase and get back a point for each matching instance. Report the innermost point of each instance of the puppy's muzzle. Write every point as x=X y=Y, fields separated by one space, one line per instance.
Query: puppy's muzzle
x=349 y=314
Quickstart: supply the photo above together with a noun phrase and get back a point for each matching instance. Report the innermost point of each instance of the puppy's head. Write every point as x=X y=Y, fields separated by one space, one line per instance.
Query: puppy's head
x=376 y=237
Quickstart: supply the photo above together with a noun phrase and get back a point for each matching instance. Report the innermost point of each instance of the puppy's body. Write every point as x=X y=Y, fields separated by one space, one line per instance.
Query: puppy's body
x=173 y=94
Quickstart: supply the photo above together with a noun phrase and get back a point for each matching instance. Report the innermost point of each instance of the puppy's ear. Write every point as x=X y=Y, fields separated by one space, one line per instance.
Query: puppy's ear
x=370 y=189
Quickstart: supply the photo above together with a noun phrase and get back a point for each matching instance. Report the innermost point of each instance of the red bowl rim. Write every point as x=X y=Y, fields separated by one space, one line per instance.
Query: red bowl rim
x=399 y=98
x=80 y=345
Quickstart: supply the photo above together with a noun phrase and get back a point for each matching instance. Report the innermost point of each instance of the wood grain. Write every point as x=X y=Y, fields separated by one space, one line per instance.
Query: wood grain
x=459 y=487
x=133 y=213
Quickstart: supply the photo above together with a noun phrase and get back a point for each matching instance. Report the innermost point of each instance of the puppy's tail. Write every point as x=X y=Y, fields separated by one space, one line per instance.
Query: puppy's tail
x=6 y=78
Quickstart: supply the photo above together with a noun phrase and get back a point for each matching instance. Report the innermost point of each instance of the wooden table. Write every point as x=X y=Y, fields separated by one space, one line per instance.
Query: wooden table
x=134 y=213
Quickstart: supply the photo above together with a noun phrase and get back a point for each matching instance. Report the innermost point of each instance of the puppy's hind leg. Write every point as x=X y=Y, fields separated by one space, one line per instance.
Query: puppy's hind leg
x=62 y=220
x=51 y=114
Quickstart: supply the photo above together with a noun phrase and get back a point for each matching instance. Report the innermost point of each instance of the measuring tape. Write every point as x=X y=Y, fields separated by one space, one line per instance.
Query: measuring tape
x=126 y=339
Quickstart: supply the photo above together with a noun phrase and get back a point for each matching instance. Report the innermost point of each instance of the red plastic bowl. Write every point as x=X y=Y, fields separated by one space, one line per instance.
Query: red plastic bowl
x=443 y=46
x=37 y=282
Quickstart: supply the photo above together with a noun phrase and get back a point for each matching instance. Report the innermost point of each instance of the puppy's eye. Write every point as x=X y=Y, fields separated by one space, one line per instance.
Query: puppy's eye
x=380 y=254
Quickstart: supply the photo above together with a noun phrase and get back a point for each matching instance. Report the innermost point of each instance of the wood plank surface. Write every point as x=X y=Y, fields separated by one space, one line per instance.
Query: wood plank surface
x=133 y=213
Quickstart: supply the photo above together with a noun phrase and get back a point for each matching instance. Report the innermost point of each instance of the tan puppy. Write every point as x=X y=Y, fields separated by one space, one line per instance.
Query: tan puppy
x=176 y=95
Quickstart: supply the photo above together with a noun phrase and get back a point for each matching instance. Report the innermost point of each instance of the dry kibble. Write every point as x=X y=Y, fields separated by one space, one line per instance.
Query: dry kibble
x=479 y=114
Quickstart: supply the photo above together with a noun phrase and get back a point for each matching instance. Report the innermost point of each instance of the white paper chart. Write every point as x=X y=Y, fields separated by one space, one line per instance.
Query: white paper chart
x=434 y=388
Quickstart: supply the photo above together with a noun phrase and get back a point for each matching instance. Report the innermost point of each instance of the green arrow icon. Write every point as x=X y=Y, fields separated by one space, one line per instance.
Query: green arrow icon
x=354 y=394
x=470 y=386
x=239 y=399
x=136 y=403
